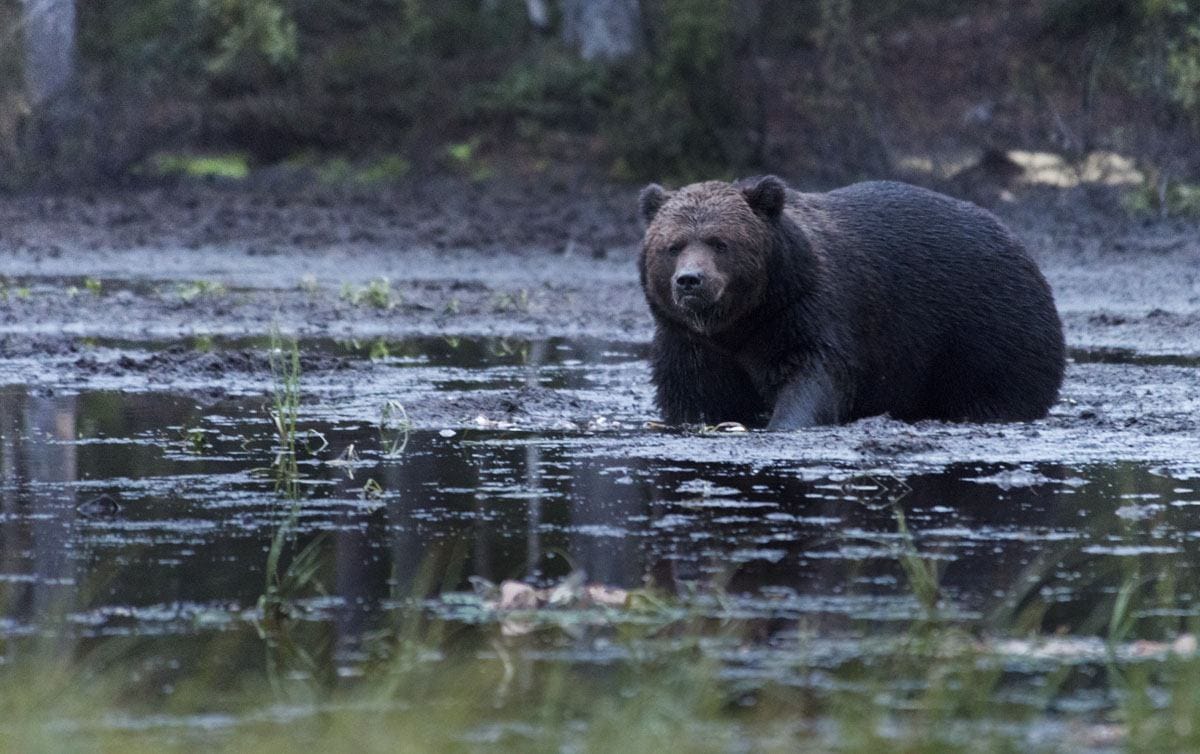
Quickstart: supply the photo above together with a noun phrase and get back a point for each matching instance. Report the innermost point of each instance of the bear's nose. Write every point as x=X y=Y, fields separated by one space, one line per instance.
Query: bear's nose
x=688 y=281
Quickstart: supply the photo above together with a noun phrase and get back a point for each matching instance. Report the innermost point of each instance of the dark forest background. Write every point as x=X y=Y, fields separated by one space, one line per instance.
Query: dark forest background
x=671 y=90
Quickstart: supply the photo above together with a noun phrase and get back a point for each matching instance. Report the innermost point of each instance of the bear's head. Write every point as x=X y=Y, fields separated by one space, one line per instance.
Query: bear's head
x=707 y=250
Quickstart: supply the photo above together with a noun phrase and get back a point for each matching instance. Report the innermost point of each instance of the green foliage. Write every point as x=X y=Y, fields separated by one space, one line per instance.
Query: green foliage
x=231 y=166
x=377 y=293
x=464 y=157
x=285 y=410
x=1164 y=198
x=340 y=171
x=405 y=78
x=463 y=153
x=441 y=29
x=517 y=301
x=250 y=40
x=13 y=107
x=1166 y=50
x=680 y=114
x=142 y=44
x=1183 y=67
x=386 y=168
x=394 y=429
x=200 y=289
x=1147 y=46
x=549 y=86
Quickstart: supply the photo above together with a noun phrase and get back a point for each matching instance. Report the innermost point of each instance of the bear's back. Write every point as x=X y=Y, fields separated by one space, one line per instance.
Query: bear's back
x=931 y=285
x=891 y=217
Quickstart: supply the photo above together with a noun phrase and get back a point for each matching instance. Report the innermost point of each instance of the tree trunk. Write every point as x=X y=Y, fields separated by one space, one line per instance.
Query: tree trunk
x=49 y=67
x=539 y=14
x=49 y=49
x=601 y=29
x=14 y=106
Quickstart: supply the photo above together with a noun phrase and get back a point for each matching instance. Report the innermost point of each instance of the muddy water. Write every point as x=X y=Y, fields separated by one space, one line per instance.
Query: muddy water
x=142 y=487
x=150 y=512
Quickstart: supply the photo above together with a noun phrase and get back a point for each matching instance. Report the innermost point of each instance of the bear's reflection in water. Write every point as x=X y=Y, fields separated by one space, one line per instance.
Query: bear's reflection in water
x=830 y=547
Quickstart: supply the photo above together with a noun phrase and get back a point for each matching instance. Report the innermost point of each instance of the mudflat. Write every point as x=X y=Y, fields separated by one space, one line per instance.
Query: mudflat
x=90 y=281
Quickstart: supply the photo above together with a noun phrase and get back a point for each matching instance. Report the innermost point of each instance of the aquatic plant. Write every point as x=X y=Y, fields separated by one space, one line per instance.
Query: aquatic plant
x=517 y=301
x=394 y=429
x=377 y=293
x=286 y=584
x=198 y=289
x=284 y=411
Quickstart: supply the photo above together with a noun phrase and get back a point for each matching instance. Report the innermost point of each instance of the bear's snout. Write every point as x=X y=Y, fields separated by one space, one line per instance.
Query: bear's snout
x=696 y=283
x=695 y=290
x=688 y=281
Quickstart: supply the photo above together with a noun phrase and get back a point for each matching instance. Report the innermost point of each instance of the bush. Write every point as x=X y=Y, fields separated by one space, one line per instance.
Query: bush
x=1163 y=197
x=273 y=78
x=1147 y=49
x=680 y=112
x=250 y=43
x=549 y=86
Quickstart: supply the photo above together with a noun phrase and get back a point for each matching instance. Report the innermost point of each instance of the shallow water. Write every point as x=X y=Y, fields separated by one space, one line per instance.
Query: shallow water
x=1130 y=356
x=834 y=553
x=197 y=506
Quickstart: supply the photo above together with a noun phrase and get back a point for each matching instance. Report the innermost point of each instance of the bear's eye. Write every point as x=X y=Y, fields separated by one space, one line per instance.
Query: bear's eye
x=676 y=247
x=717 y=244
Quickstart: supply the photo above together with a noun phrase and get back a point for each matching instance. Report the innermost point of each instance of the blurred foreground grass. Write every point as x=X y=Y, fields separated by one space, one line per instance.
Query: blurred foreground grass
x=663 y=677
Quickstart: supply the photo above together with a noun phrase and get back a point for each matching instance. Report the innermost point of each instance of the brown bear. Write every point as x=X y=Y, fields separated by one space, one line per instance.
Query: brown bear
x=794 y=309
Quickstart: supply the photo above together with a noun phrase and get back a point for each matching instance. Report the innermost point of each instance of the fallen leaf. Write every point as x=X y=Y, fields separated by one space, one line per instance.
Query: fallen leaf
x=607 y=596
x=517 y=595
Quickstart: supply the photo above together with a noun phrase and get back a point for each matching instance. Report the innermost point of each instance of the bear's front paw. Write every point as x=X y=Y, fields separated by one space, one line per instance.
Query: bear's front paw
x=728 y=427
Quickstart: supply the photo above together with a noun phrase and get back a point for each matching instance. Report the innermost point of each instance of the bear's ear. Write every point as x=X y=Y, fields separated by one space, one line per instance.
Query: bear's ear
x=650 y=201
x=766 y=196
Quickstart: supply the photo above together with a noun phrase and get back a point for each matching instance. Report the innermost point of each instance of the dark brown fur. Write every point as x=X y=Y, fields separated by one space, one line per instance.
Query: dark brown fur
x=816 y=308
